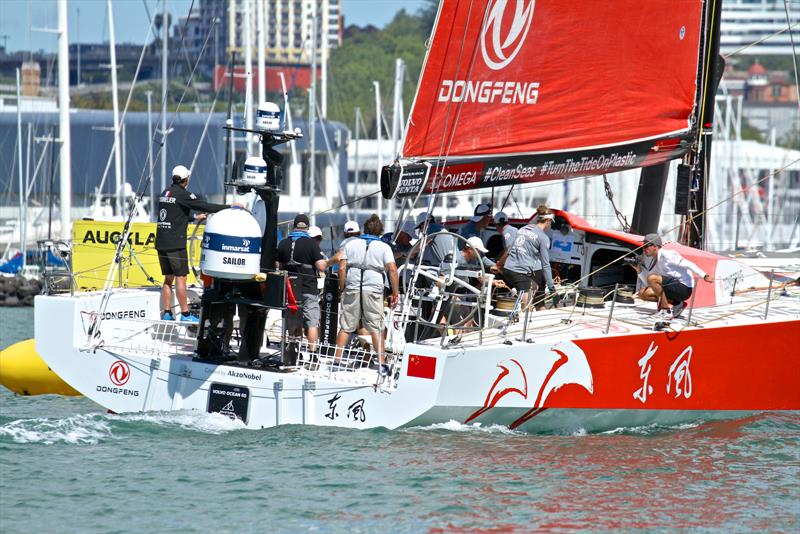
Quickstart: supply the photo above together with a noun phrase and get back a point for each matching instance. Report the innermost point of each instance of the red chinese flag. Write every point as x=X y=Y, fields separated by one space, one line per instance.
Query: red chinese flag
x=422 y=366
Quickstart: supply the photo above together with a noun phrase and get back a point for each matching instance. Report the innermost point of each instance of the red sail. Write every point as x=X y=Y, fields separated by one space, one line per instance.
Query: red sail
x=516 y=77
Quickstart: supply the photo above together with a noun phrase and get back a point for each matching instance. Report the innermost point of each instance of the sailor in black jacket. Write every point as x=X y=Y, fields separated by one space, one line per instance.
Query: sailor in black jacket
x=174 y=213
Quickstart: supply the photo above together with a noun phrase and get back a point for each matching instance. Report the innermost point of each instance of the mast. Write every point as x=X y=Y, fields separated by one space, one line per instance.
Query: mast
x=115 y=104
x=248 y=67
x=78 y=48
x=22 y=222
x=150 y=154
x=324 y=96
x=312 y=134
x=357 y=162
x=63 y=120
x=378 y=151
x=262 y=86
x=399 y=69
x=287 y=113
x=713 y=66
x=164 y=52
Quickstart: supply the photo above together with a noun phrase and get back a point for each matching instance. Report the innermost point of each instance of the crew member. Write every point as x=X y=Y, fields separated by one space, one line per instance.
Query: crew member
x=361 y=271
x=402 y=243
x=300 y=255
x=669 y=280
x=441 y=245
x=351 y=231
x=174 y=209
x=504 y=228
x=480 y=219
x=467 y=259
x=526 y=267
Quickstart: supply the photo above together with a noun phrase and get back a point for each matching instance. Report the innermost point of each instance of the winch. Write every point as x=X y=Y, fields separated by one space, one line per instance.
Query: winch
x=591 y=297
x=231 y=245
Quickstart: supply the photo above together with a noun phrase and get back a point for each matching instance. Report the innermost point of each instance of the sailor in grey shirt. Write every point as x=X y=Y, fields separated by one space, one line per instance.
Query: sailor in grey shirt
x=526 y=266
x=508 y=231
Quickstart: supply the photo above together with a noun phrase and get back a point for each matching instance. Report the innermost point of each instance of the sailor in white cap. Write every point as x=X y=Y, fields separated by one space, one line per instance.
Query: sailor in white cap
x=175 y=206
x=351 y=231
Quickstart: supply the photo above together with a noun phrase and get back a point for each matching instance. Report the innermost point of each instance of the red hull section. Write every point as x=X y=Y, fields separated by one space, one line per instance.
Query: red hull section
x=742 y=367
x=516 y=76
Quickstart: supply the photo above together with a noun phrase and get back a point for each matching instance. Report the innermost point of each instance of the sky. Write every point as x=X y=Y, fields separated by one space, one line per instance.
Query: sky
x=20 y=19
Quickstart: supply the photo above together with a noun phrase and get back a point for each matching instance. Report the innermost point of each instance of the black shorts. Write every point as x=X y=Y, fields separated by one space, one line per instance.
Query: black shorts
x=518 y=281
x=527 y=282
x=675 y=290
x=174 y=262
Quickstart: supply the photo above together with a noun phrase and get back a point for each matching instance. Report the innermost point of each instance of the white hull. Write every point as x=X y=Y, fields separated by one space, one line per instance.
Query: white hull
x=551 y=385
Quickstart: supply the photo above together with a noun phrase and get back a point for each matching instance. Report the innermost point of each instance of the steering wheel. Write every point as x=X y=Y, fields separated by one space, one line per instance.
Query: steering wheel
x=435 y=291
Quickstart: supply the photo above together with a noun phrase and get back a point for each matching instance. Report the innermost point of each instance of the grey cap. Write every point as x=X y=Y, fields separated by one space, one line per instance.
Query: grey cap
x=652 y=239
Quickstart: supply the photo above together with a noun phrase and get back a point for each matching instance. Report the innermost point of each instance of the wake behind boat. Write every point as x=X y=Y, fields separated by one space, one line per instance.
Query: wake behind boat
x=489 y=112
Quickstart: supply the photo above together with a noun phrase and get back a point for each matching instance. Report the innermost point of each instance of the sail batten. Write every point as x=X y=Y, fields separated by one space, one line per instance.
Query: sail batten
x=508 y=79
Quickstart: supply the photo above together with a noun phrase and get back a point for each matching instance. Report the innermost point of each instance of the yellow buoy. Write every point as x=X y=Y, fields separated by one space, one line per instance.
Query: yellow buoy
x=25 y=373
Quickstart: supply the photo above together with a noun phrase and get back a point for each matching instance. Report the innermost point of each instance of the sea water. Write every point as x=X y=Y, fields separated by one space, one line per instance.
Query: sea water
x=67 y=466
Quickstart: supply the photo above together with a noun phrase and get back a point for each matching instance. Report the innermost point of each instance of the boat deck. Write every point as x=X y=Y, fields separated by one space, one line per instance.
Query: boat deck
x=358 y=365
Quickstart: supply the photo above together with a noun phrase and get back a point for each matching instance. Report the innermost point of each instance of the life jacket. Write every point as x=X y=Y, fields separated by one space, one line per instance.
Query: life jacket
x=304 y=269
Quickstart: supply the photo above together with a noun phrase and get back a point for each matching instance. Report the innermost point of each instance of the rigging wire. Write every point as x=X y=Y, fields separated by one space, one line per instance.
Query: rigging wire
x=759 y=41
x=620 y=216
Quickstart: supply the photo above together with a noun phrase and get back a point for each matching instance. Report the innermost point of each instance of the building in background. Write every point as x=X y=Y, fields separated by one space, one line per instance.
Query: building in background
x=745 y=22
x=289 y=26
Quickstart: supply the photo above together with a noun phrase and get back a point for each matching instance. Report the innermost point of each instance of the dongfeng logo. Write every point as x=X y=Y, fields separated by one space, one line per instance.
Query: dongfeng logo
x=119 y=373
x=498 y=49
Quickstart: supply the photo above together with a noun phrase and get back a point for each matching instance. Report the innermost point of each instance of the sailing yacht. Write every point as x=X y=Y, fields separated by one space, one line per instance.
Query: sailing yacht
x=512 y=93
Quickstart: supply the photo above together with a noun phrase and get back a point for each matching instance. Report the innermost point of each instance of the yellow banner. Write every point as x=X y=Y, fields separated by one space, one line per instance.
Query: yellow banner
x=94 y=244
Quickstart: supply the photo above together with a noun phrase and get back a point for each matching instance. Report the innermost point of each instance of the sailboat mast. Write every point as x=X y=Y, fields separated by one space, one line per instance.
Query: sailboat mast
x=262 y=85
x=248 y=67
x=164 y=52
x=63 y=116
x=399 y=73
x=115 y=105
x=312 y=134
x=712 y=67
x=150 y=154
x=378 y=153
x=22 y=222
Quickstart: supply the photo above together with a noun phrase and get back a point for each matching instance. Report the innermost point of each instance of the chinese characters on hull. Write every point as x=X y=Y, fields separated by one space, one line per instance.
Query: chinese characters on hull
x=679 y=377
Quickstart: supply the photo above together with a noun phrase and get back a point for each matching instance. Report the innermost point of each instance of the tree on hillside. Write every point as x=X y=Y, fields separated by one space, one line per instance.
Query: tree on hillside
x=370 y=55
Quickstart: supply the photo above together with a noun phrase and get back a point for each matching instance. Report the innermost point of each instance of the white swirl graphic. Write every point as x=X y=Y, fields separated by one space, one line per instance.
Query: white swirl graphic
x=499 y=50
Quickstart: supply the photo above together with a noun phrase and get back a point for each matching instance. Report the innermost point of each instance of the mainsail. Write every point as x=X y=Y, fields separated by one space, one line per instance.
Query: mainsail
x=517 y=91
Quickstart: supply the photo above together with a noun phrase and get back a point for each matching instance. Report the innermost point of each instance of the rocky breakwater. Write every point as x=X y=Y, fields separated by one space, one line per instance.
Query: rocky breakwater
x=18 y=291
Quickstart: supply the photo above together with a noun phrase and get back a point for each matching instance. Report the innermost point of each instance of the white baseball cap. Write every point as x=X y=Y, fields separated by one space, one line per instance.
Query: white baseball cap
x=181 y=171
x=314 y=231
x=500 y=217
x=351 y=227
x=481 y=211
x=476 y=243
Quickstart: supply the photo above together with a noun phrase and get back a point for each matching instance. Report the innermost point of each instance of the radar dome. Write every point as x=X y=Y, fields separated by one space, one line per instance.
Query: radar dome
x=231 y=245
